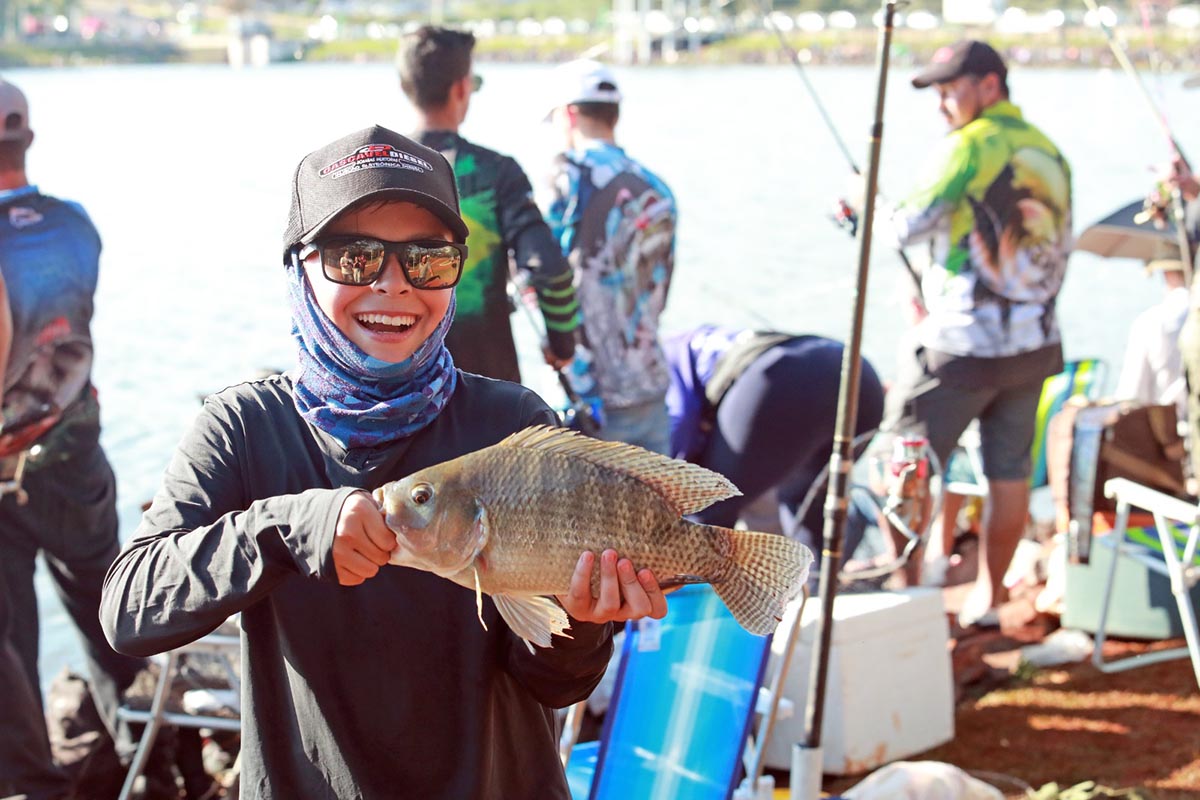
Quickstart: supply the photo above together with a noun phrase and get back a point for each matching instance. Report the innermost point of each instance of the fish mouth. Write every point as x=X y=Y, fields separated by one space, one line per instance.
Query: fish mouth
x=441 y=561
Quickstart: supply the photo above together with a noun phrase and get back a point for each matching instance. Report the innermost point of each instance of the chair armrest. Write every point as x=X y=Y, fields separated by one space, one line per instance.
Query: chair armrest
x=1135 y=494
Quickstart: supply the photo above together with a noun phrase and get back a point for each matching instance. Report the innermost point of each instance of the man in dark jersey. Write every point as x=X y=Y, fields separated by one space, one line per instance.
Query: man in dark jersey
x=497 y=203
x=49 y=257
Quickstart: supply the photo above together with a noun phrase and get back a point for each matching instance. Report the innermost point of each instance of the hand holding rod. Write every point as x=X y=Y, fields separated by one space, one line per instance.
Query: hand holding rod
x=837 y=139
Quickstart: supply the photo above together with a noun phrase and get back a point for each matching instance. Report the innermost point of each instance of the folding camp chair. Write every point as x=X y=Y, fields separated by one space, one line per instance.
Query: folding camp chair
x=681 y=715
x=964 y=470
x=224 y=644
x=1177 y=561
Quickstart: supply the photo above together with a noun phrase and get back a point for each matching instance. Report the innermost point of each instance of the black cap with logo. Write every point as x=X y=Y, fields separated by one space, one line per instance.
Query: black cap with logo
x=968 y=57
x=374 y=163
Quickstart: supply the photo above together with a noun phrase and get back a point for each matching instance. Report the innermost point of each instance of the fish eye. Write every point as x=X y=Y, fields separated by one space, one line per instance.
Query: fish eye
x=421 y=494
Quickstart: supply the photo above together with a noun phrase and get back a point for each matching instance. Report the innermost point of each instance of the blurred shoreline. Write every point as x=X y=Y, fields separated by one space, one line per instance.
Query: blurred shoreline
x=1162 y=50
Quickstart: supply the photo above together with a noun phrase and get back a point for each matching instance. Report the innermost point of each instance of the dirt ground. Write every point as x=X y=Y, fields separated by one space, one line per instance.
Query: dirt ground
x=1020 y=727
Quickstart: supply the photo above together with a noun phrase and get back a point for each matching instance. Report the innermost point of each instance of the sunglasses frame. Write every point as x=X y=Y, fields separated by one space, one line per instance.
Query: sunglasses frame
x=399 y=249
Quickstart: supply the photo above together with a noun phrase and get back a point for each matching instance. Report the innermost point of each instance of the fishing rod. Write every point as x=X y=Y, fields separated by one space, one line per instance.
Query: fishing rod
x=844 y=216
x=1181 y=238
x=579 y=414
x=806 y=756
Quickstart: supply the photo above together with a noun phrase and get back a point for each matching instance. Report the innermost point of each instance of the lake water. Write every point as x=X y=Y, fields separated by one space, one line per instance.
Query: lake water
x=186 y=171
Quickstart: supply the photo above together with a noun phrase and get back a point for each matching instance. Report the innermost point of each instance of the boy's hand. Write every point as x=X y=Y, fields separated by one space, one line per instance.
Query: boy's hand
x=362 y=541
x=624 y=594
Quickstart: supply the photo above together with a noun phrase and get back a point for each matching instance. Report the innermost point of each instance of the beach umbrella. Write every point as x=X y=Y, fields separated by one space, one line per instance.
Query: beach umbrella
x=1126 y=234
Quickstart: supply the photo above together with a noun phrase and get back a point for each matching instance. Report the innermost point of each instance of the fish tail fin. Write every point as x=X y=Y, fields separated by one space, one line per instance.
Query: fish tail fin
x=763 y=572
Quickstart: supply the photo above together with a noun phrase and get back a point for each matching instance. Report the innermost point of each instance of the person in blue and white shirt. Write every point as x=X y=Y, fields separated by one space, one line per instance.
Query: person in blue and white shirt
x=49 y=259
x=616 y=223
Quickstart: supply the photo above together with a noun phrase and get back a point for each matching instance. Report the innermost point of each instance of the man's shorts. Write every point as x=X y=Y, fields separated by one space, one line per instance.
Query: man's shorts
x=937 y=396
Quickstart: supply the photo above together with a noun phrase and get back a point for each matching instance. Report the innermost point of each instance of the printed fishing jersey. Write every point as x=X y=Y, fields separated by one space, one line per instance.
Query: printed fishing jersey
x=497 y=204
x=49 y=256
x=997 y=211
x=616 y=223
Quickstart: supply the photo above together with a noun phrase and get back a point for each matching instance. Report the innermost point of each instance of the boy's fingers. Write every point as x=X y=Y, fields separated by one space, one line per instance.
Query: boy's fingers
x=375 y=544
x=357 y=540
x=356 y=563
x=637 y=602
x=580 y=592
x=656 y=596
x=610 y=587
x=348 y=579
x=379 y=534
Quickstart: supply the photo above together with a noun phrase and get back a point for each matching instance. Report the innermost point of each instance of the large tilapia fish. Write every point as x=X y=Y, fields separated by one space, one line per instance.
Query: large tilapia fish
x=511 y=521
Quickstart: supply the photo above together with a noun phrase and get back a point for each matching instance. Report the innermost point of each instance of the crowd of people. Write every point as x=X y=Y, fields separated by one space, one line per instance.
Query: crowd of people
x=397 y=256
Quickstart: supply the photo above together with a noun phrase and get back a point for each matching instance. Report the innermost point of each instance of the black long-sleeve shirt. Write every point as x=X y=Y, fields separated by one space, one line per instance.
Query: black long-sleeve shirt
x=390 y=689
x=497 y=202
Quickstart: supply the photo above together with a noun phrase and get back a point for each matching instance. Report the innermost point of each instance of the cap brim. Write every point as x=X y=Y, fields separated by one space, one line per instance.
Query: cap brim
x=605 y=96
x=428 y=202
x=937 y=74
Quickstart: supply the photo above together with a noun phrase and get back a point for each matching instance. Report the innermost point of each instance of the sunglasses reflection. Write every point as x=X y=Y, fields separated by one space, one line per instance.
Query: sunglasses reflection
x=353 y=267
x=426 y=264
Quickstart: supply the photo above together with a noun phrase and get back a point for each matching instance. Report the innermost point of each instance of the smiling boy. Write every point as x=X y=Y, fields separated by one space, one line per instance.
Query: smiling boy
x=361 y=682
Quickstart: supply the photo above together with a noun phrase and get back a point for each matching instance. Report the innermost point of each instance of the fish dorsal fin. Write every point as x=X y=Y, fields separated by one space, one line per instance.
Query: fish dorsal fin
x=686 y=488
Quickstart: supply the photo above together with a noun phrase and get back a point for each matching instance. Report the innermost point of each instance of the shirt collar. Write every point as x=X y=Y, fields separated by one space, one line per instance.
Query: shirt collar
x=14 y=194
x=1002 y=108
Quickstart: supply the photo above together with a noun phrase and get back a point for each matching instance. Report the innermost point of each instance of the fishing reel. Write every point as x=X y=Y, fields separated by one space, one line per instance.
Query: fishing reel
x=906 y=479
x=1156 y=208
x=844 y=216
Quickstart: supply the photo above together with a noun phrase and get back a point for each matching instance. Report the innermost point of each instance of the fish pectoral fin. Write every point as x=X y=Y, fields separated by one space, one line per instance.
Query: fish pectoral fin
x=479 y=600
x=532 y=617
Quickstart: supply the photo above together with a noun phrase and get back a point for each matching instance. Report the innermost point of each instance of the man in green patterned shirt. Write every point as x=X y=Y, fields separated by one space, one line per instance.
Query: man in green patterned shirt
x=497 y=204
x=995 y=210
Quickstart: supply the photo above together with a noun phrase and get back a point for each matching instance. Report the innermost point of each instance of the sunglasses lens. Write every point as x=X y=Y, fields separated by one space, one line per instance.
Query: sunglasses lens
x=476 y=82
x=356 y=262
x=432 y=267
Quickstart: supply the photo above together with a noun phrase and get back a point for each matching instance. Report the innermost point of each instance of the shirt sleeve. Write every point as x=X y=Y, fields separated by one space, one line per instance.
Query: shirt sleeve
x=536 y=253
x=562 y=215
x=567 y=672
x=937 y=194
x=202 y=553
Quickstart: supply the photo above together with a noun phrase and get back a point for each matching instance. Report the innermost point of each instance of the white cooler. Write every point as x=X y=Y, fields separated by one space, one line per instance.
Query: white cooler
x=889 y=689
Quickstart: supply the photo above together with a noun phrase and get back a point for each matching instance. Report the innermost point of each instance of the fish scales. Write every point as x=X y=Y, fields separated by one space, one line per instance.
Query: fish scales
x=578 y=506
x=511 y=521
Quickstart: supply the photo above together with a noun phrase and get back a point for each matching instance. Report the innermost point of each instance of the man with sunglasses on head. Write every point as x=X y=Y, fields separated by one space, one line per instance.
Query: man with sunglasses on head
x=995 y=210
x=497 y=202
x=362 y=679
x=49 y=258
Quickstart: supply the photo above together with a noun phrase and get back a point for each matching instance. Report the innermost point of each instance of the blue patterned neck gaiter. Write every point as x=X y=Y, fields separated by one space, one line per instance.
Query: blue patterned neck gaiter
x=359 y=400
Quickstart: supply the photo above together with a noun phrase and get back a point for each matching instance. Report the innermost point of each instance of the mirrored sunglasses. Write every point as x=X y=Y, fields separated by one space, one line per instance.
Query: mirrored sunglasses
x=359 y=260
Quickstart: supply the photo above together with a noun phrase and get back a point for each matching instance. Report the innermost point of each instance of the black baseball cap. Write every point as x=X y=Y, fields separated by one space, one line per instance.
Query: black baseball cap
x=968 y=57
x=374 y=163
